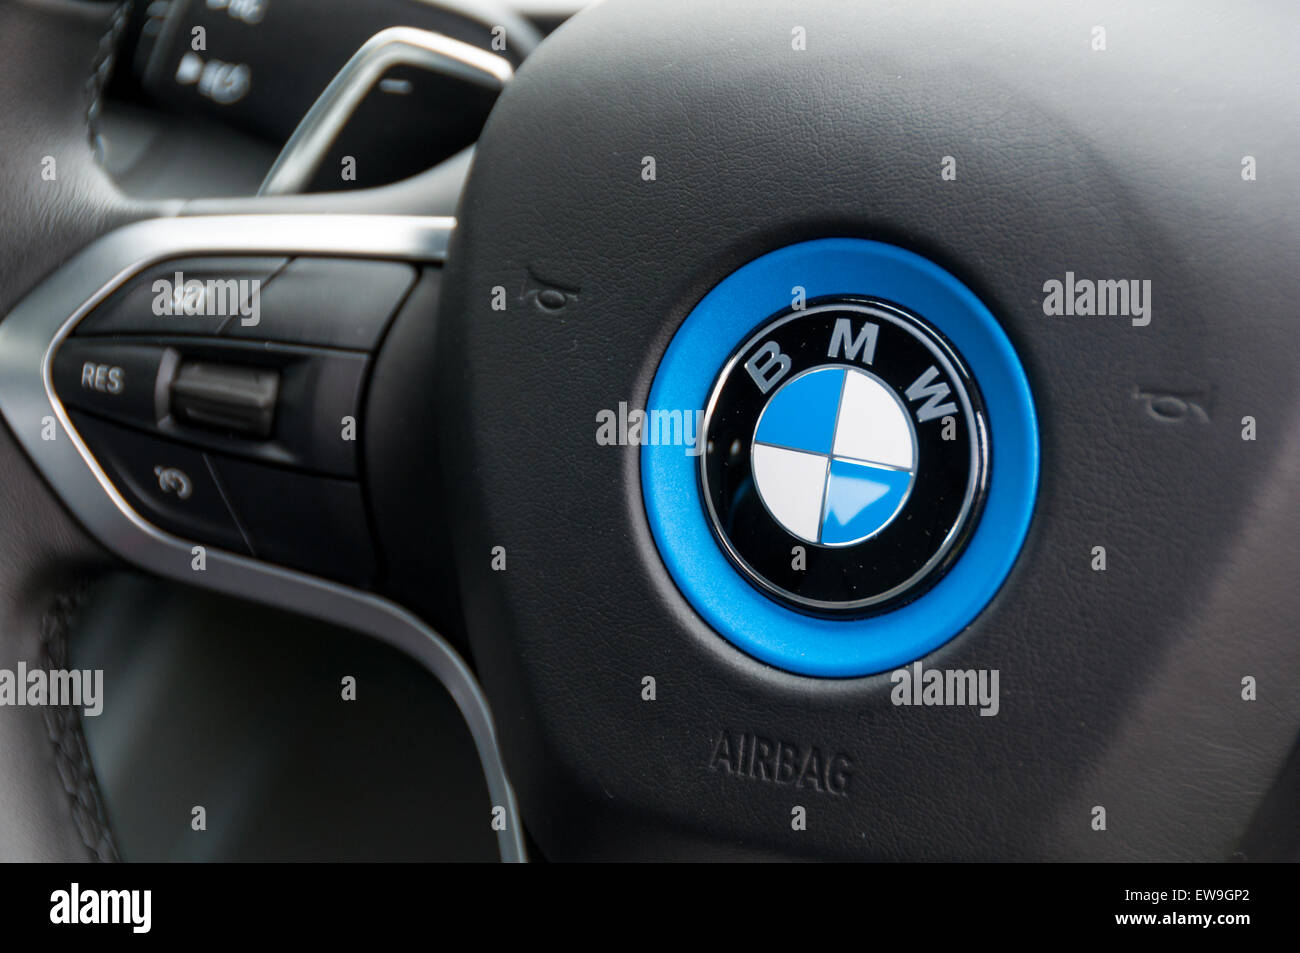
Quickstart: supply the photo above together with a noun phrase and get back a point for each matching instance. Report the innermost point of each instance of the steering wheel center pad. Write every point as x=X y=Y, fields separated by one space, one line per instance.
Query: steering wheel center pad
x=1061 y=166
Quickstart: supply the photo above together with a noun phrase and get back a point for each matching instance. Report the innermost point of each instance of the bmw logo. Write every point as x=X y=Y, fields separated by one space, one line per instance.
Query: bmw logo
x=867 y=465
x=846 y=456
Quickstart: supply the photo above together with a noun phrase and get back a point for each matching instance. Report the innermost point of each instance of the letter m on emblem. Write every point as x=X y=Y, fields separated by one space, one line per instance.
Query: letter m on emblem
x=843 y=342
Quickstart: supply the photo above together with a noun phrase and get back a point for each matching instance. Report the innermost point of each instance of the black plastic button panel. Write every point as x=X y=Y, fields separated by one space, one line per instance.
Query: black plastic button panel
x=169 y=484
x=239 y=429
x=184 y=296
x=328 y=302
x=312 y=523
x=318 y=396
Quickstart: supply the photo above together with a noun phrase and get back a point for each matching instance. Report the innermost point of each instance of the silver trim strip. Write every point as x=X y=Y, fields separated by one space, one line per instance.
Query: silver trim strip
x=395 y=46
x=33 y=330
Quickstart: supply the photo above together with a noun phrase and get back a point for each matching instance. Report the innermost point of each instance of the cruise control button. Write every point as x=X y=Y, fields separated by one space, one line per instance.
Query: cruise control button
x=186 y=296
x=113 y=379
x=309 y=398
x=330 y=302
x=227 y=397
x=168 y=484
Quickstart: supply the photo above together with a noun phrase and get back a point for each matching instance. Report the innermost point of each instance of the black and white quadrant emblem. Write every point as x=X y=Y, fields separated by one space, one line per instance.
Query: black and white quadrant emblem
x=846 y=457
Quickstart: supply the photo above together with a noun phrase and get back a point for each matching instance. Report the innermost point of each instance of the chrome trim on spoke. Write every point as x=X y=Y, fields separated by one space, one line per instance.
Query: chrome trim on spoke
x=31 y=333
x=396 y=46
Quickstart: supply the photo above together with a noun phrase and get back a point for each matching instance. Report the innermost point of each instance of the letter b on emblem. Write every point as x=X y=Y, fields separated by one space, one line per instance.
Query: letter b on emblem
x=767 y=366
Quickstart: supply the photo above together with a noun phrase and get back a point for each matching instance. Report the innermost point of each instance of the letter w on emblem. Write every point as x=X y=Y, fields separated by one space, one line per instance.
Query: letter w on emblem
x=932 y=393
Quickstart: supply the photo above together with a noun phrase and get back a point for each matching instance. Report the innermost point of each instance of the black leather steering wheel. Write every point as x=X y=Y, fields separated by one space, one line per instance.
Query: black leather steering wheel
x=646 y=152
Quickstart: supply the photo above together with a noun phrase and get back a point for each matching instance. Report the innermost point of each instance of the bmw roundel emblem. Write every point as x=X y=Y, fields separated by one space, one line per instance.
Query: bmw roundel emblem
x=846 y=456
x=865 y=469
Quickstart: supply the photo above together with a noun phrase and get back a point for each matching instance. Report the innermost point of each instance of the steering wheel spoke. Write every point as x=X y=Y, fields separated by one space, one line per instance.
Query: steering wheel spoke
x=136 y=390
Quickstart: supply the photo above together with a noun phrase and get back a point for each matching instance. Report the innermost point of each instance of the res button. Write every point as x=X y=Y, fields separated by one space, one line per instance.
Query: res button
x=115 y=380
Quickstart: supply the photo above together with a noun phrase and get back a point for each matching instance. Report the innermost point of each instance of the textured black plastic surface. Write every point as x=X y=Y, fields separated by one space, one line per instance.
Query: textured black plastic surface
x=314 y=523
x=1119 y=688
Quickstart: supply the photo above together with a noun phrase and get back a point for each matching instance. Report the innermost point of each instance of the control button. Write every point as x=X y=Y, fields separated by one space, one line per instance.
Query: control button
x=169 y=485
x=186 y=296
x=113 y=379
x=226 y=397
x=311 y=523
x=314 y=412
x=317 y=393
x=331 y=302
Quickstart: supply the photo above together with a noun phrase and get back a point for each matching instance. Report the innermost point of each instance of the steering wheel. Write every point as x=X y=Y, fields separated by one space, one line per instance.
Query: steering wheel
x=985 y=314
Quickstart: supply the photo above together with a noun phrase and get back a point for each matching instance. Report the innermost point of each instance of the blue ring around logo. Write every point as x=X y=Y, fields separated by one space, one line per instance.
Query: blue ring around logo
x=725 y=317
